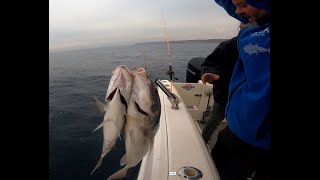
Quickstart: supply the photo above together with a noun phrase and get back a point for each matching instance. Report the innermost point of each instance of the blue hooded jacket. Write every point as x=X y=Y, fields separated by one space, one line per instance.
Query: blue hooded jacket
x=248 y=107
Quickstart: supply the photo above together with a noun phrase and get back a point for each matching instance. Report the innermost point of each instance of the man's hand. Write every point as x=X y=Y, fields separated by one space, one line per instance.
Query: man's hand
x=209 y=77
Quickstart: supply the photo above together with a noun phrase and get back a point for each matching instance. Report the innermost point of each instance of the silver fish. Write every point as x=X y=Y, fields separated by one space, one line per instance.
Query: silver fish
x=142 y=122
x=117 y=98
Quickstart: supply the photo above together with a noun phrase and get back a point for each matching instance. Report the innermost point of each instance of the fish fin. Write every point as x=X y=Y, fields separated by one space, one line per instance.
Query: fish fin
x=102 y=124
x=151 y=135
x=123 y=160
x=150 y=143
x=101 y=106
x=117 y=126
x=106 y=148
x=119 y=174
x=130 y=136
x=97 y=166
x=138 y=148
x=155 y=132
x=104 y=152
x=103 y=145
x=148 y=138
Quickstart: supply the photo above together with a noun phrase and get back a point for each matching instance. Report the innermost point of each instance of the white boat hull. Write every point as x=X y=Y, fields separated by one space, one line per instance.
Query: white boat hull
x=178 y=142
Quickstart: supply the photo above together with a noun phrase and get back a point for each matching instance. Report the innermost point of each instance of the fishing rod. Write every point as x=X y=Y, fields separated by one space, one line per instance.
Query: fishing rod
x=169 y=72
x=145 y=59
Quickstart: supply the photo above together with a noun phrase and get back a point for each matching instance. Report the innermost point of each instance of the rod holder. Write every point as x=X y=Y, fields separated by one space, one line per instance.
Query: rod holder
x=175 y=100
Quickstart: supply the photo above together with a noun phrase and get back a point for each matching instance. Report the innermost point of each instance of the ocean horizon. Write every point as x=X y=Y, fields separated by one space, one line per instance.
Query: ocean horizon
x=133 y=44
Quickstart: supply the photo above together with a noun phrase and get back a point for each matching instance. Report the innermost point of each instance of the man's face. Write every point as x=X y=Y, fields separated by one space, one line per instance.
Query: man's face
x=245 y=9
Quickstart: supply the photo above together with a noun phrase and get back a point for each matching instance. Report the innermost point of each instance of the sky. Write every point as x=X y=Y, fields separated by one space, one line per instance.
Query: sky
x=76 y=24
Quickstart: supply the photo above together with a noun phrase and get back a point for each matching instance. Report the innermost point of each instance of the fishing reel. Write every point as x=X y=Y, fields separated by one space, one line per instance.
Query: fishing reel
x=171 y=73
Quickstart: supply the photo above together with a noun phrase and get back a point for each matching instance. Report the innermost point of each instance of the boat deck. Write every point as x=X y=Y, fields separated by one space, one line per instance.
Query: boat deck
x=178 y=150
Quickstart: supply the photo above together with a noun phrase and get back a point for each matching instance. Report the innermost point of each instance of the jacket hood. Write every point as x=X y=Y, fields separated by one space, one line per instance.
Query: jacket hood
x=261 y=4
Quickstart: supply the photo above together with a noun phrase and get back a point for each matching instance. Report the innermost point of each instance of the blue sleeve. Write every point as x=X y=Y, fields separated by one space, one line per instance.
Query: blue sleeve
x=231 y=10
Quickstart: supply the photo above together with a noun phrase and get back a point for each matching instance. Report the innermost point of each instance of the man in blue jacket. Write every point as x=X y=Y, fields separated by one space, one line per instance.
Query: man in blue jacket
x=243 y=148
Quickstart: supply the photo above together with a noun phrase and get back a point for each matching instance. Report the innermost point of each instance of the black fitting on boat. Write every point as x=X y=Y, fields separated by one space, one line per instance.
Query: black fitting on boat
x=165 y=90
x=174 y=100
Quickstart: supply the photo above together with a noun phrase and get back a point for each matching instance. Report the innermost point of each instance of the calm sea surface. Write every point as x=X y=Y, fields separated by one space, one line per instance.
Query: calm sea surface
x=74 y=76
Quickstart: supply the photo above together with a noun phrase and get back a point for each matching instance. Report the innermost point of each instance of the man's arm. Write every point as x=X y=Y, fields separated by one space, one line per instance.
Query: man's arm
x=222 y=58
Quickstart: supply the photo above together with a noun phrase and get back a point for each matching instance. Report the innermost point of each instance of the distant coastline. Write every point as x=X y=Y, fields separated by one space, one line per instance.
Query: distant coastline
x=140 y=43
x=186 y=41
